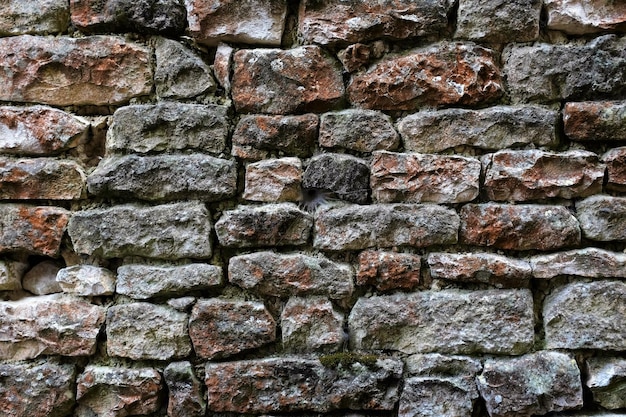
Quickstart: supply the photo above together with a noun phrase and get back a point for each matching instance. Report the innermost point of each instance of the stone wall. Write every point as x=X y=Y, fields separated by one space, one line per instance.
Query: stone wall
x=314 y=207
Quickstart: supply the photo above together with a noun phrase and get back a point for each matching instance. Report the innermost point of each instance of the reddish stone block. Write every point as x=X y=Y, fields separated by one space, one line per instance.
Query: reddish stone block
x=595 y=120
x=388 y=271
x=615 y=161
x=311 y=325
x=274 y=180
x=579 y=17
x=32 y=229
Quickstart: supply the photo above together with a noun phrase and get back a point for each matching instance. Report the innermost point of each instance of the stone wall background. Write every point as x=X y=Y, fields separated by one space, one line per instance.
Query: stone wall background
x=313 y=207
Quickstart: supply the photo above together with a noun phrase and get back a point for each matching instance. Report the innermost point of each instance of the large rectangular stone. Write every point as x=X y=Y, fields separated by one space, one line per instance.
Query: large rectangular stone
x=602 y=217
x=579 y=17
x=32 y=229
x=587 y=263
x=595 y=120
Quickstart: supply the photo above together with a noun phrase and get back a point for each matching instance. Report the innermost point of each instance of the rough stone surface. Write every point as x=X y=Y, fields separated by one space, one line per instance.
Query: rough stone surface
x=487 y=268
x=535 y=175
x=602 y=217
x=32 y=229
x=273 y=180
x=449 y=321
x=165 y=177
x=284 y=275
x=388 y=271
x=436 y=397
x=86 y=280
x=117 y=392
x=358 y=130
x=222 y=328
x=11 y=273
x=492 y=128
x=170 y=231
x=185 y=391
x=250 y=22
x=36 y=18
x=436 y=364
x=579 y=17
x=99 y=16
x=545 y=72
x=41 y=279
x=40 y=179
x=266 y=385
x=587 y=263
x=270 y=225
x=421 y=178
x=586 y=316
x=39 y=130
x=595 y=120
x=276 y=81
x=256 y=136
x=39 y=389
x=442 y=74
x=518 y=227
x=346 y=176
x=331 y=22
x=385 y=225
x=148 y=281
x=147 y=331
x=180 y=73
x=222 y=64
x=615 y=161
x=311 y=325
x=607 y=381
x=498 y=22
x=534 y=384
x=67 y=71
x=48 y=325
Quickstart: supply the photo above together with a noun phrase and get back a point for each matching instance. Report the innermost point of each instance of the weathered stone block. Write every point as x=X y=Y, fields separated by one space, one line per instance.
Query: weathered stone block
x=256 y=136
x=98 y=16
x=67 y=71
x=222 y=64
x=311 y=325
x=385 y=225
x=274 y=180
x=358 y=130
x=602 y=217
x=442 y=74
x=579 y=17
x=492 y=128
x=277 y=81
x=171 y=231
x=345 y=176
x=511 y=21
x=586 y=316
x=185 y=391
x=117 y=392
x=147 y=281
x=595 y=120
x=615 y=160
x=11 y=275
x=270 y=225
x=40 y=389
x=534 y=384
x=606 y=377
x=388 y=271
x=587 y=263
x=147 y=331
x=258 y=22
x=421 y=178
x=449 y=321
x=436 y=397
x=222 y=328
x=267 y=385
x=168 y=127
x=436 y=364
x=32 y=229
x=36 y=18
x=536 y=175
x=48 y=325
x=86 y=280
x=41 y=179
x=332 y=22
x=487 y=268
x=165 y=177
x=285 y=275
x=518 y=227
x=546 y=72
x=41 y=279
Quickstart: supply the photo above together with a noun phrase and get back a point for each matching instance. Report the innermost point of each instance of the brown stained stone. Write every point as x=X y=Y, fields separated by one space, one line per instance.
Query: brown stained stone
x=250 y=22
x=32 y=229
x=587 y=263
x=41 y=279
x=41 y=179
x=359 y=130
x=487 y=268
x=535 y=175
x=579 y=17
x=73 y=71
x=221 y=328
x=355 y=57
x=256 y=136
x=388 y=271
x=49 y=325
x=329 y=22
x=439 y=75
x=595 y=120
x=615 y=161
x=273 y=180
x=276 y=81
x=518 y=227
x=602 y=217
x=417 y=178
